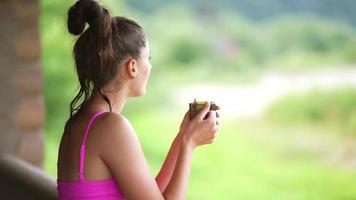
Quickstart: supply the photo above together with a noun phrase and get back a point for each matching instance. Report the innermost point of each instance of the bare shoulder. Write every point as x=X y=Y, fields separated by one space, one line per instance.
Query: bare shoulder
x=115 y=131
x=114 y=120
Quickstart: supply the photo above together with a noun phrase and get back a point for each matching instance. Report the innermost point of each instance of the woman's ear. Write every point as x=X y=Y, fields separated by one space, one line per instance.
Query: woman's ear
x=131 y=68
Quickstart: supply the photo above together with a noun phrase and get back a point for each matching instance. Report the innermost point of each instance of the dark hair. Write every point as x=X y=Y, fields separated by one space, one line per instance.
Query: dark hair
x=100 y=49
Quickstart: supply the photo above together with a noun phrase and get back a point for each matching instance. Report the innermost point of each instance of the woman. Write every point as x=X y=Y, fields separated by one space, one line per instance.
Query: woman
x=100 y=156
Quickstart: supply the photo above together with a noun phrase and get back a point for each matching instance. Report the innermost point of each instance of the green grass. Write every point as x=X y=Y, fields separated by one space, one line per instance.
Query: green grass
x=249 y=160
x=335 y=106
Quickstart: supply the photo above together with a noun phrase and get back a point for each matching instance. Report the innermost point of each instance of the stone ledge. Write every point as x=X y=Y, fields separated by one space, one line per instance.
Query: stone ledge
x=21 y=180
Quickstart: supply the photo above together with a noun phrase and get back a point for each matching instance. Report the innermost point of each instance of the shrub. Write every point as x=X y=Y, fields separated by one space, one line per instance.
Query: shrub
x=334 y=107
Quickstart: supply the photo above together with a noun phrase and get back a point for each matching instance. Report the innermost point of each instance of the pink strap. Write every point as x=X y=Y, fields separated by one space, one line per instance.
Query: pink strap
x=82 y=148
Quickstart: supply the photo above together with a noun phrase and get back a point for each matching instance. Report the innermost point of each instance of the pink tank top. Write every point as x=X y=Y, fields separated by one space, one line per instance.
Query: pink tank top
x=88 y=189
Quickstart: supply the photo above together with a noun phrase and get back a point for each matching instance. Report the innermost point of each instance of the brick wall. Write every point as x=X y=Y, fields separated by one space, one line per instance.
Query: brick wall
x=21 y=103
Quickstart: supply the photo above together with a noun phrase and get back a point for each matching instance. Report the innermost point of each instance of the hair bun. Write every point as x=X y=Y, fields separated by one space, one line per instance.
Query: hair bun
x=82 y=12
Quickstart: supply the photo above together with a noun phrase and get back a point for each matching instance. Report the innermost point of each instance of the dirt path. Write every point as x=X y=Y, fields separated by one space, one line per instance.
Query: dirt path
x=244 y=101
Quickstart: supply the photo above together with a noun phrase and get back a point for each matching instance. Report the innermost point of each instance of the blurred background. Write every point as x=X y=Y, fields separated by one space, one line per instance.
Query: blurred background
x=283 y=73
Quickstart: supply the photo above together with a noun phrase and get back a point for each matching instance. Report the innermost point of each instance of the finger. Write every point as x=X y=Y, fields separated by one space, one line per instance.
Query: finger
x=204 y=111
x=215 y=128
x=186 y=114
x=186 y=117
x=212 y=116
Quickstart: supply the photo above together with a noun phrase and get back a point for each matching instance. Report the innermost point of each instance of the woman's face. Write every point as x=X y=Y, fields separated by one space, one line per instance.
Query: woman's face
x=144 y=69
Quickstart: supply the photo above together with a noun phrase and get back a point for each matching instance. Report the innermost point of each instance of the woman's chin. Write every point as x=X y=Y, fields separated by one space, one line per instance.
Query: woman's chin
x=139 y=94
x=143 y=93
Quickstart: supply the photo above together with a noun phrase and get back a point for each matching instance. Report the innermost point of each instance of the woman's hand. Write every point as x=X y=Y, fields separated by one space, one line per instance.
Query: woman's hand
x=200 y=131
x=184 y=123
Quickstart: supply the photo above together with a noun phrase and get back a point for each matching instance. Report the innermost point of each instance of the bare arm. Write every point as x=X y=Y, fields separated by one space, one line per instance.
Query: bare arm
x=166 y=172
x=197 y=132
x=168 y=166
x=178 y=185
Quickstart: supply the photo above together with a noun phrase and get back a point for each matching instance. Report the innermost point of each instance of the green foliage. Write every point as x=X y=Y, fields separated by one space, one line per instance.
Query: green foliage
x=311 y=36
x=186 y=51
x=261 y=10
x=332 y=107
x=59 y=74
x=293 y=42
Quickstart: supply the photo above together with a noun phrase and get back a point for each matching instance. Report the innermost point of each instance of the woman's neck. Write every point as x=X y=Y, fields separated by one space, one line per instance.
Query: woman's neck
x=117 y=102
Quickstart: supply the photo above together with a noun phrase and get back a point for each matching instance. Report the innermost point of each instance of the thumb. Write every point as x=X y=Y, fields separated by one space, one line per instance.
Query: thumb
x=186 y=116
x=204 y=111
